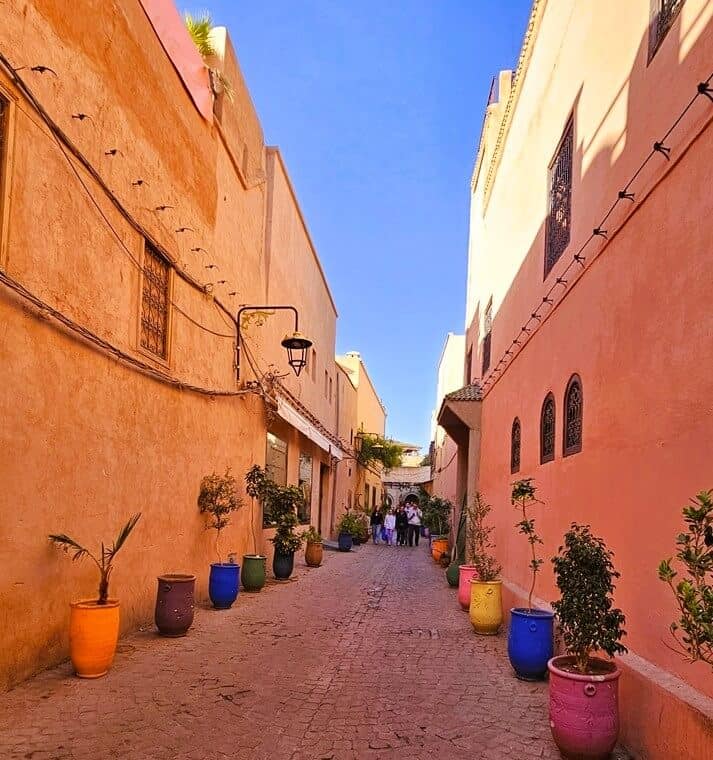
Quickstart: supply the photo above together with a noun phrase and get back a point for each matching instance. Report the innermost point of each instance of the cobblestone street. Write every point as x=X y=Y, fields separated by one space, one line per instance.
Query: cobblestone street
x=368 y=656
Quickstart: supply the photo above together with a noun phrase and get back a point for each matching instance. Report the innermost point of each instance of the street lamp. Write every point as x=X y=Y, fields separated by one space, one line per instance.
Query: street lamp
x=295 y=343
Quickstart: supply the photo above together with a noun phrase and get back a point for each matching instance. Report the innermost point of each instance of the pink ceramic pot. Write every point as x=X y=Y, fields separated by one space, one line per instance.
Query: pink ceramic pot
x=466 y=573
x=584 y=710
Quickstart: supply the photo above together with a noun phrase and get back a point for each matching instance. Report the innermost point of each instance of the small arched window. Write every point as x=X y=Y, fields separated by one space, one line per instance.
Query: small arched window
x=515 y=446
x=573 y=408
x=547 y=429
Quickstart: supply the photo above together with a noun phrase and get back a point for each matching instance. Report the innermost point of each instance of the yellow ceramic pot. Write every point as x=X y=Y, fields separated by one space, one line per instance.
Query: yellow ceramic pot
x=93 y=634
x=313 y=553
x=439 y=547
x=486 y=606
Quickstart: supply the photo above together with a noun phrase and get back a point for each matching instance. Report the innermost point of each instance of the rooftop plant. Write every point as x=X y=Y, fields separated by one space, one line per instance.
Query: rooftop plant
x=200 y=29
x=694 y=591
x=218 y=498
x=479 y=542
x=105 y=560
x=523 y=497
x=588 y=620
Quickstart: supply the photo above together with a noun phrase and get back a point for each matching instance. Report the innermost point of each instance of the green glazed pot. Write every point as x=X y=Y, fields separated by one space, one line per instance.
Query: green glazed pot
x=452 y=573
x=253 y=572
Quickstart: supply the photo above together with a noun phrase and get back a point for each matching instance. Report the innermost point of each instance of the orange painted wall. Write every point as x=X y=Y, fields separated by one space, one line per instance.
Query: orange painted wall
x=635 y=326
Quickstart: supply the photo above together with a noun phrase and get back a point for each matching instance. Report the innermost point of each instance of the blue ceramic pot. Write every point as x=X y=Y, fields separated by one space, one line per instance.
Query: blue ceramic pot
x=223 y=584
x=530 y=642
x=345 y=542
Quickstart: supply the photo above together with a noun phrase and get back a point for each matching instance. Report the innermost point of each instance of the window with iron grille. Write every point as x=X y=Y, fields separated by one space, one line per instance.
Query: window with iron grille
x=547 y=430
x=559 y=218
x=573 y=409
x=487 y=330
x=515 y=446
x=155 y=303
x=663 y=14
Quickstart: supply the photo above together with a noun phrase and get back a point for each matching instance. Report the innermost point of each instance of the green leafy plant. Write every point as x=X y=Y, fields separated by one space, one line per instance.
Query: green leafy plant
x=312 y=536
x=480 y=543
x=349 y=523
x=436 y=513
x=105 y=560
x=200 y=29
x=285 y=502
x=694 y=593
x=588 y=620
x=259 y=488
x=218 y=498
x=374 y=448
x=523 y=497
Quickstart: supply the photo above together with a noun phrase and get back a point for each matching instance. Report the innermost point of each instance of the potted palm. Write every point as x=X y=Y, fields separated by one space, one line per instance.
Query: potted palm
x=486 y=606
x=284 y=503
x=530 y=639
x=584 y=713
x=258 y=487
x=693 y=632
x=218 y=498
x=313 y=548
x=94 y=623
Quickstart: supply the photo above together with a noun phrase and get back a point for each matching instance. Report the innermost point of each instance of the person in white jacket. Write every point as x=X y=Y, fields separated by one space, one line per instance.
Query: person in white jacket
x=390 y=527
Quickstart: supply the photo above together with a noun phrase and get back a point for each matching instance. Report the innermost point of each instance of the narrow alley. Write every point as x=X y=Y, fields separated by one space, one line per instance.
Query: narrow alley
x=368 y=656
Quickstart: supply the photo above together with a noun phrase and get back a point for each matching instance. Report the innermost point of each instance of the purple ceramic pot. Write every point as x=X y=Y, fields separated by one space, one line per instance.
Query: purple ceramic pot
x=174 y=604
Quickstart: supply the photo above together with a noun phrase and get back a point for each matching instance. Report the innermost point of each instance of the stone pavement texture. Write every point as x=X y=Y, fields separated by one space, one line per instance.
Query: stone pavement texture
x=368 y=656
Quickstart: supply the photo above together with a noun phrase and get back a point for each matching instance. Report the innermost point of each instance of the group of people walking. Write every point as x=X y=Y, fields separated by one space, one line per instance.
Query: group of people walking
x=397 y=526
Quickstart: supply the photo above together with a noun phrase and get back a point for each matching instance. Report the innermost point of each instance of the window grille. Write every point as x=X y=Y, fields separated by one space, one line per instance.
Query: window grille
x=154 y=303
x=487 y=329
x=559 y=219
x=515 y=446
x=663 y=14
x=547 y=430
x=573 y=408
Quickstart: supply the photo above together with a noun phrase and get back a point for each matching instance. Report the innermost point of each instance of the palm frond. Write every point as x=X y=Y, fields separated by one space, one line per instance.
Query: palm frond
x=66 y=543
x=123 y=535
x=200 y=28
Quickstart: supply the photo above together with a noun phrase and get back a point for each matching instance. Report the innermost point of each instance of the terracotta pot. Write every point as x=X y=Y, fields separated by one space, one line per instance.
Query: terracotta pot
x=439 y=547
x=174 y=604
x=466 y=573
x=486 y=607
x=93 y=634
x=584 y=709
x=313 y=553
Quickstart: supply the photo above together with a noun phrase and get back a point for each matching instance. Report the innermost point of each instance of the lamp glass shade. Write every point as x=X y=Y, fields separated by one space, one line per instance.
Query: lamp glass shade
x=296 y=345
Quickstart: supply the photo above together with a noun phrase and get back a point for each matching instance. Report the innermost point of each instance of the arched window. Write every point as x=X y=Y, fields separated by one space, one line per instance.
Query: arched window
x=547 y=430
x=573 y=408
x=515 y=446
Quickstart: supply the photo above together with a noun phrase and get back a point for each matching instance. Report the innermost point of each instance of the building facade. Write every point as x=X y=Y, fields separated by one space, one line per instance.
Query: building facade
x=139 y=209
x=588 y=319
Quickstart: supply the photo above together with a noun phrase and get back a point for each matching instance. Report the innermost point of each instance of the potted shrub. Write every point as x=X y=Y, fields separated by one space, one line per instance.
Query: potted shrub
x=694 y=594
x=94 y=623
x=476 y=512
x=530 y=640
x=584 y=714
x=346 y=528
x=258 y=487
x=284 y=503
x=313 y=548
x=218 y=498
x=486 y=606
x=436 y=517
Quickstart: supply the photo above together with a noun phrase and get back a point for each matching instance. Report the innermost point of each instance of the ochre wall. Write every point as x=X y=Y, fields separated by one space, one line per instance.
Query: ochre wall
x=636 y=326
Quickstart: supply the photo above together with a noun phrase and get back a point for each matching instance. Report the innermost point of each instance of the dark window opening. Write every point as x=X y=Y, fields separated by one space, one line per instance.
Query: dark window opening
x=663 y=14
x=547 y=430
x=515 y=446
x=573 y=410
x=154 y=303
x=487 y=337
x=559 y=218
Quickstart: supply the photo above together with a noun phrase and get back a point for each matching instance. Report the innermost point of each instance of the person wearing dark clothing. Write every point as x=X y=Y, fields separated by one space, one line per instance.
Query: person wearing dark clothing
x=401 y=526
x=376 y=521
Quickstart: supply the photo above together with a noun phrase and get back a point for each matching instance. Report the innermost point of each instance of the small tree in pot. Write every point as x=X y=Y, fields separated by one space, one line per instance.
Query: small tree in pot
x=94 y=623
x=588 y=622
x=284 y=503
x=258 y=487
x=530 y=639
x=486 y=608
x=217 y=500
x=694 y=594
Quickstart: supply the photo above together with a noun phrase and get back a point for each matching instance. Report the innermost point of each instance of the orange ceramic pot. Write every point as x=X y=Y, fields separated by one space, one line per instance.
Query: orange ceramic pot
x=93 y=634
x=439 y=547
x=313 y=553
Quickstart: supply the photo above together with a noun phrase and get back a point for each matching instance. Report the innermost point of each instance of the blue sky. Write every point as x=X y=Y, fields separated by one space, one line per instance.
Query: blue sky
x=377 y=108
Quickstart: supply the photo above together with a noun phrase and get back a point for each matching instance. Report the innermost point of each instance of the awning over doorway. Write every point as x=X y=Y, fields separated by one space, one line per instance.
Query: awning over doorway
x=460 y=412
x=298 y=421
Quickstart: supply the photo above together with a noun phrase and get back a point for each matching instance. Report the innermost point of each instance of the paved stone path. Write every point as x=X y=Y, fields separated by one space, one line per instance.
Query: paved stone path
x=368 y=656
